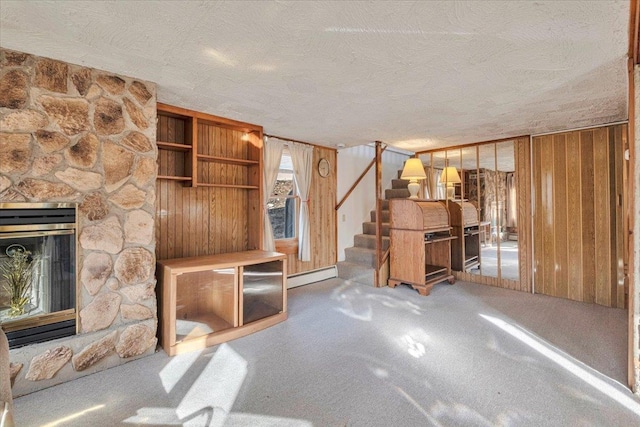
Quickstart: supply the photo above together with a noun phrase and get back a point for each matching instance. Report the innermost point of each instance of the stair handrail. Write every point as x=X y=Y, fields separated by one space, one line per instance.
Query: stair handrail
x=378 y=161
x=362 y=175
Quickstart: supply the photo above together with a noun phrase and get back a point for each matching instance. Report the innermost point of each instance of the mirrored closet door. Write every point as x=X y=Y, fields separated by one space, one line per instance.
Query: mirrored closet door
x=489 y=181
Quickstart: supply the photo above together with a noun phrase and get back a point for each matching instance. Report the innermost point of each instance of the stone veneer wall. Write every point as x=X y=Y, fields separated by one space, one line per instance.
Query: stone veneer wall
x=74 y=134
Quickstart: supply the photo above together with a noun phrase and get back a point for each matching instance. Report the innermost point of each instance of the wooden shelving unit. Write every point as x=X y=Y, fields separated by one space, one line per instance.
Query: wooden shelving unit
x=420 y=244
x=206 y=158
x=186 y=131
x=211 y=299
x=174 y=136
x=173 y=146
x=465 y=250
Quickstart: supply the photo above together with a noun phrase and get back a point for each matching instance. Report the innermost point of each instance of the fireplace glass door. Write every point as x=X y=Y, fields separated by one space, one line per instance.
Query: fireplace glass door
x=37 y=272
x=37 y=278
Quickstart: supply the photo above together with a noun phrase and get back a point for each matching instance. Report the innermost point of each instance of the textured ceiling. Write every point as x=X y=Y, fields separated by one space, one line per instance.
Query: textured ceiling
x=416 y=75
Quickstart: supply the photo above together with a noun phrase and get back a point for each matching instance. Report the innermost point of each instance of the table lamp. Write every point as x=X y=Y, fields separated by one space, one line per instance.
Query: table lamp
x=413 y=171
x=450 y=177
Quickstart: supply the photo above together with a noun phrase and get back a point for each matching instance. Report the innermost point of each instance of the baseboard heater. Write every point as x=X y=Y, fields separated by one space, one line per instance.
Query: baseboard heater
x=311 y=276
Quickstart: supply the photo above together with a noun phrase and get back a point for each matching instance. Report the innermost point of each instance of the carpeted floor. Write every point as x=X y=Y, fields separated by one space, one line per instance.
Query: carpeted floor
x=509 y=268
x=350 y=355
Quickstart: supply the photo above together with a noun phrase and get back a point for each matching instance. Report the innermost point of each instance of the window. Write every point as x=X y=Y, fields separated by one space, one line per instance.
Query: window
x=283 y=202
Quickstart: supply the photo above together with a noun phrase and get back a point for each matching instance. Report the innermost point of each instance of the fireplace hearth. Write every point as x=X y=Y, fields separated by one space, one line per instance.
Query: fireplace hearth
x=37 y=271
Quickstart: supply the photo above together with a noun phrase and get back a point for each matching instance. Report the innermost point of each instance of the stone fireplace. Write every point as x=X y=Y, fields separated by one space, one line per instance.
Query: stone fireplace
x=82 y=137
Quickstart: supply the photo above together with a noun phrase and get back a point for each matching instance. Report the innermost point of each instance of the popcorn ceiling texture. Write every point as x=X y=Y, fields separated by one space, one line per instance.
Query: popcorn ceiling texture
x=414 y=74
x=74 y=134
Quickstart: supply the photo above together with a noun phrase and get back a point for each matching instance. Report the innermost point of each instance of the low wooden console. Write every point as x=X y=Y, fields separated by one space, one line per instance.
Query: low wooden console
x=211 y=299
x=420 y=244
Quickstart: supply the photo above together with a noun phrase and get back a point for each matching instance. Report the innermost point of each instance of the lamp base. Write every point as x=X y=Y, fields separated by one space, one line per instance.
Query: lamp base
x=413 y=188
x=451 y=192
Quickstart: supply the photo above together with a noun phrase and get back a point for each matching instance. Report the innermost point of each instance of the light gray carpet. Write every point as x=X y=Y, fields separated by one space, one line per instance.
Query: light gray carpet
x=509 y=267
x=350 y=355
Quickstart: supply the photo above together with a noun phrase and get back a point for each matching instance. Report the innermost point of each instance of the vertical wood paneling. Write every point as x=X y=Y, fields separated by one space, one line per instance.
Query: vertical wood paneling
x=523 y=195
x=538 y=242
x=322 y=217
x=560 y=211
x=548 y=241
x=578 y=229
x=602 y=216
x=588 y=217
x=574 y=214
x=161 y=223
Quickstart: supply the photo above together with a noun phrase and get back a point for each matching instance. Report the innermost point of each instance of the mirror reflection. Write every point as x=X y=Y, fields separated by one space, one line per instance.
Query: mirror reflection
x=484 y=180
x=481 y=178
x=507 y=211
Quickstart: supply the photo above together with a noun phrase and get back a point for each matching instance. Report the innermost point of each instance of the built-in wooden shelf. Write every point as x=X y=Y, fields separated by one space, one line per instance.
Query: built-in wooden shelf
x=172 y=146
x=187 y=151
x=214 y=156
x=218 y=159
x=247 y=187
x=174 y=178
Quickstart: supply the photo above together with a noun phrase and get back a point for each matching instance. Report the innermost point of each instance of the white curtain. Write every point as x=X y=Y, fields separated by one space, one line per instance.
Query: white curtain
x=272 y=154
x=302 y=159
x=429 y=184
x=512 y=212
x=434 y=190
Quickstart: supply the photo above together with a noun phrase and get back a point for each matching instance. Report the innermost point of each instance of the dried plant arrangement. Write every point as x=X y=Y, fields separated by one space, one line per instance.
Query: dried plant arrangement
x=17 y=270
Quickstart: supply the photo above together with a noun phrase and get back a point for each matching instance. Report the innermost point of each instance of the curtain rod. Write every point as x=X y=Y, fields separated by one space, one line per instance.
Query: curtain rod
x=298 y=141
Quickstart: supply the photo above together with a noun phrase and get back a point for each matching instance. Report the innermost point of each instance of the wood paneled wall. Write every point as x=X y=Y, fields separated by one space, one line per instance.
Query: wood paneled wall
x=522 y=148
x=322 y=216
x=578 y=215
x=211 y=220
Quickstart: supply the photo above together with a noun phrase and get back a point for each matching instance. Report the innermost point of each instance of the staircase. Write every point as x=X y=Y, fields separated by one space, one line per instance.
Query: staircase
x=360 y=259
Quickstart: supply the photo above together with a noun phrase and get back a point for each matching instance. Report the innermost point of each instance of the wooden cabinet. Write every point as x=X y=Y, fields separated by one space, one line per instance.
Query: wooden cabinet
x=212 y=299
x=420 y=235
x=465 y=250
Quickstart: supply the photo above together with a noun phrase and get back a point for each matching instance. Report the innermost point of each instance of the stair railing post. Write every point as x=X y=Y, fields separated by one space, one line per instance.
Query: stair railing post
x=378 y=212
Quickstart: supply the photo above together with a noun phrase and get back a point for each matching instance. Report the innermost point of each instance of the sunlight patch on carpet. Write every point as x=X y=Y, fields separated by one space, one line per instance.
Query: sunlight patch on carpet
x=176 y=368
x=562 y=360
x=65 y=420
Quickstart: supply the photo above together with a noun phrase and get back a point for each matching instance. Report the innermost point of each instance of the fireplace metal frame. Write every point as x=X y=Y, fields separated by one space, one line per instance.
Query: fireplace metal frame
x=39 y=230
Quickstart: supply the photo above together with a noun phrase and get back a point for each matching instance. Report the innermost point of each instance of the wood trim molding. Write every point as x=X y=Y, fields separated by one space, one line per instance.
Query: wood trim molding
x=471 y=144
x=634 y=33
x=633 y=58
x=210 y=118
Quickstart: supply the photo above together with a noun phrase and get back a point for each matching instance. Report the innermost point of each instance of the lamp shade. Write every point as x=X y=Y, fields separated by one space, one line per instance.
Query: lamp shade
x=413 y=169
x=450 y=175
